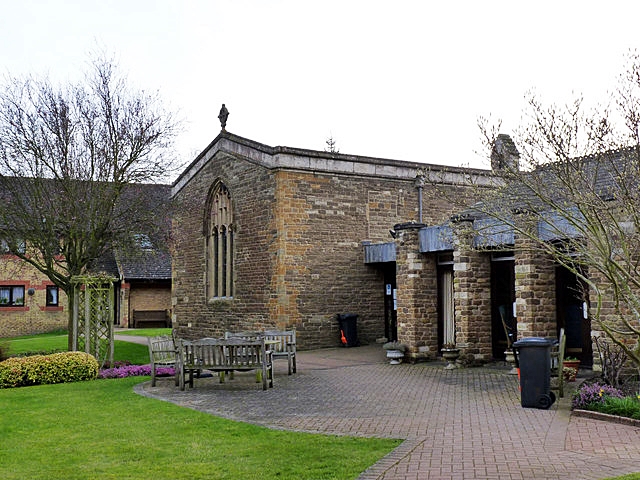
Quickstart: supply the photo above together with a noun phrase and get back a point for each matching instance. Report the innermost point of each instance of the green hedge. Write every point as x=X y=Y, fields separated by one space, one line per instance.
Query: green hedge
x=41 y=369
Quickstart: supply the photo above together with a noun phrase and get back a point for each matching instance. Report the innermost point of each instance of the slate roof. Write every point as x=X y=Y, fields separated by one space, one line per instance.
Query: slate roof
x=604 y=174
x=148 y=259
x=144 y=265
x=105 y=264
x=136 y=263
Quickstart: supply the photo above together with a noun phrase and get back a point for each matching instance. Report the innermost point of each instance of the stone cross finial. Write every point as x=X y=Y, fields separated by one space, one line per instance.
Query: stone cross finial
x=222 y=116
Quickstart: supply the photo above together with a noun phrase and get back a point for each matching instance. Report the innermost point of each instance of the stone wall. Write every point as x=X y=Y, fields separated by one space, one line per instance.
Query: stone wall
x=298 y=252
x=320 y=273
x=252 y=190
x=299 y=259
x=535 y=289
x=417 y=295
x=610 y=315
x=472 y=298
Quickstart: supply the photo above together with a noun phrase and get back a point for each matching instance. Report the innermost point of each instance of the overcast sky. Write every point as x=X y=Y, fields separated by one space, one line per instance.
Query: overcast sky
x=394 y=79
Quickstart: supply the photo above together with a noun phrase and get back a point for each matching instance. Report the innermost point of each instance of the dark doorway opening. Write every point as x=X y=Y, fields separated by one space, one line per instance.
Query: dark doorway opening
x=503 y=296
x=390 y=316
x=571 y=312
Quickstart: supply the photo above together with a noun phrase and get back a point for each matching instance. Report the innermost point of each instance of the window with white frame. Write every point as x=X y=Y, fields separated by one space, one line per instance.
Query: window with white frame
x=52 y=296
x=219 y=240
x=12 y=296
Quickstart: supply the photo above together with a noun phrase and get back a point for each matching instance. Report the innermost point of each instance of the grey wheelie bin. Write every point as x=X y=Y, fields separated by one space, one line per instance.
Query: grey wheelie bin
x=534 y=366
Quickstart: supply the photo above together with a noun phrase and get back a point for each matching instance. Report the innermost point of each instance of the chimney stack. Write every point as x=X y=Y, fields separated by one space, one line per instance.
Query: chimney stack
x=505 y=155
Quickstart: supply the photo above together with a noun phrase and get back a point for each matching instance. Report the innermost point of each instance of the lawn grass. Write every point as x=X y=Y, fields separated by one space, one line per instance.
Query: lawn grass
x=57 y=341
x=101 y=429
x=145 y=332
x=42 y=342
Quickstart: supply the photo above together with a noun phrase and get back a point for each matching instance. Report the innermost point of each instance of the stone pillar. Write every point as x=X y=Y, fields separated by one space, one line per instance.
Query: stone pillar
x=417 y=296
x=125 y=315
x=472 y=297
x=535 y=289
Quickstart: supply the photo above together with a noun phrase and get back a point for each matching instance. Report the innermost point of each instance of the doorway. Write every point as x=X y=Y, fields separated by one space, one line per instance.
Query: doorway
x=503 y=296
x=446 y=308
x=390 y=302
x=571 y=314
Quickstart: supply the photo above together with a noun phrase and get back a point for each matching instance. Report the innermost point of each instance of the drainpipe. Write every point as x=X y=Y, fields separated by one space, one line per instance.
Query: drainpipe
x=419 y=183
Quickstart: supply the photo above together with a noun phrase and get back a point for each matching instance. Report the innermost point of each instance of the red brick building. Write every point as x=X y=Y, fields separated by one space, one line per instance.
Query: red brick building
x=31 y=303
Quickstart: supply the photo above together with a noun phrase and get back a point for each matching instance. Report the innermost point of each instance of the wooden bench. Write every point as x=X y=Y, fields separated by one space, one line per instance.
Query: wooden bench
x=284 y=346
x=151 y=319
x=222 y=356
x=162 y=353
x=281 y=343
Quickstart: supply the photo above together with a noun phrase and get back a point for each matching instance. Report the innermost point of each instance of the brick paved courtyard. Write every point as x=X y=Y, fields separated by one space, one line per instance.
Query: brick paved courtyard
x=457 y=424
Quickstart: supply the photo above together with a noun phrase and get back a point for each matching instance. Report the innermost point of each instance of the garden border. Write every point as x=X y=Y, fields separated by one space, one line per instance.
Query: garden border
x=606 y=417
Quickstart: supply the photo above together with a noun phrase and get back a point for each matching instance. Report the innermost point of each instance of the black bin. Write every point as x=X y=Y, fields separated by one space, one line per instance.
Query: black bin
x=534 y=359
x=348 y=329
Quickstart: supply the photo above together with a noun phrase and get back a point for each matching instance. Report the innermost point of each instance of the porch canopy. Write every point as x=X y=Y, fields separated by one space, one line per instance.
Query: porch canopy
x=488 y=232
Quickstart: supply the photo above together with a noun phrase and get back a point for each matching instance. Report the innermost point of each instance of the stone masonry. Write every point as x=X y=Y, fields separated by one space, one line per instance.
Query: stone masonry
x=416 y=277
x=472 y=298
x=300 y=220
x=535 y=292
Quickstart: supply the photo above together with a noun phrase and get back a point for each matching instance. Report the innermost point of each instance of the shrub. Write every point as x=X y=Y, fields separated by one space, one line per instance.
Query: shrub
x=33 y=353
x=11 y=373
x=591 y=395
x=4 y=350
x=613 y=359
x=44 y=369
x=623 y=407
x=134 y=371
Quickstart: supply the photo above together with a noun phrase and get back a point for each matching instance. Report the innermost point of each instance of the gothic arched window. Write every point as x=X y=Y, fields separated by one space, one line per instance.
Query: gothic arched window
x=219 y=236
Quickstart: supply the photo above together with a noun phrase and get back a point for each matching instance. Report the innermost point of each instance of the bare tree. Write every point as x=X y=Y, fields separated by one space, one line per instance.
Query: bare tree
x=577 y=183
x=73 y=161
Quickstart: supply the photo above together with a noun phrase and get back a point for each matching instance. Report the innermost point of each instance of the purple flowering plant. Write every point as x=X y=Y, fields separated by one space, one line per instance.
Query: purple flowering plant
x=589 y=396
x=116 y=364
x=134 y=371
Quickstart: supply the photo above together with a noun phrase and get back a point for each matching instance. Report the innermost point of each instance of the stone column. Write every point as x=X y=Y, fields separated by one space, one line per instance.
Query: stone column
x=417 y=298
x=472 y=297
x=535 y=288
x=125 y=297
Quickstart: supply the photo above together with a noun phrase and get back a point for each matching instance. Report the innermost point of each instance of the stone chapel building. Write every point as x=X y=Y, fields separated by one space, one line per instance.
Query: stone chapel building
x=279 y=237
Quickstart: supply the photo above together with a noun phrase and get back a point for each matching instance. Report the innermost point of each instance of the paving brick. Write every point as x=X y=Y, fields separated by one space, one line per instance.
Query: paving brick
x=457 y=424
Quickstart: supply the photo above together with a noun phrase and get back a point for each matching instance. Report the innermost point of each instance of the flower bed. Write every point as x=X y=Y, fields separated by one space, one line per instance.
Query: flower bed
x=122 y=371
x=605 y=399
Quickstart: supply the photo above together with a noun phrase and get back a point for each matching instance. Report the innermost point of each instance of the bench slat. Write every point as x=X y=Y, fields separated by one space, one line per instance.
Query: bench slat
x=162 y=353
x=224 y=355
